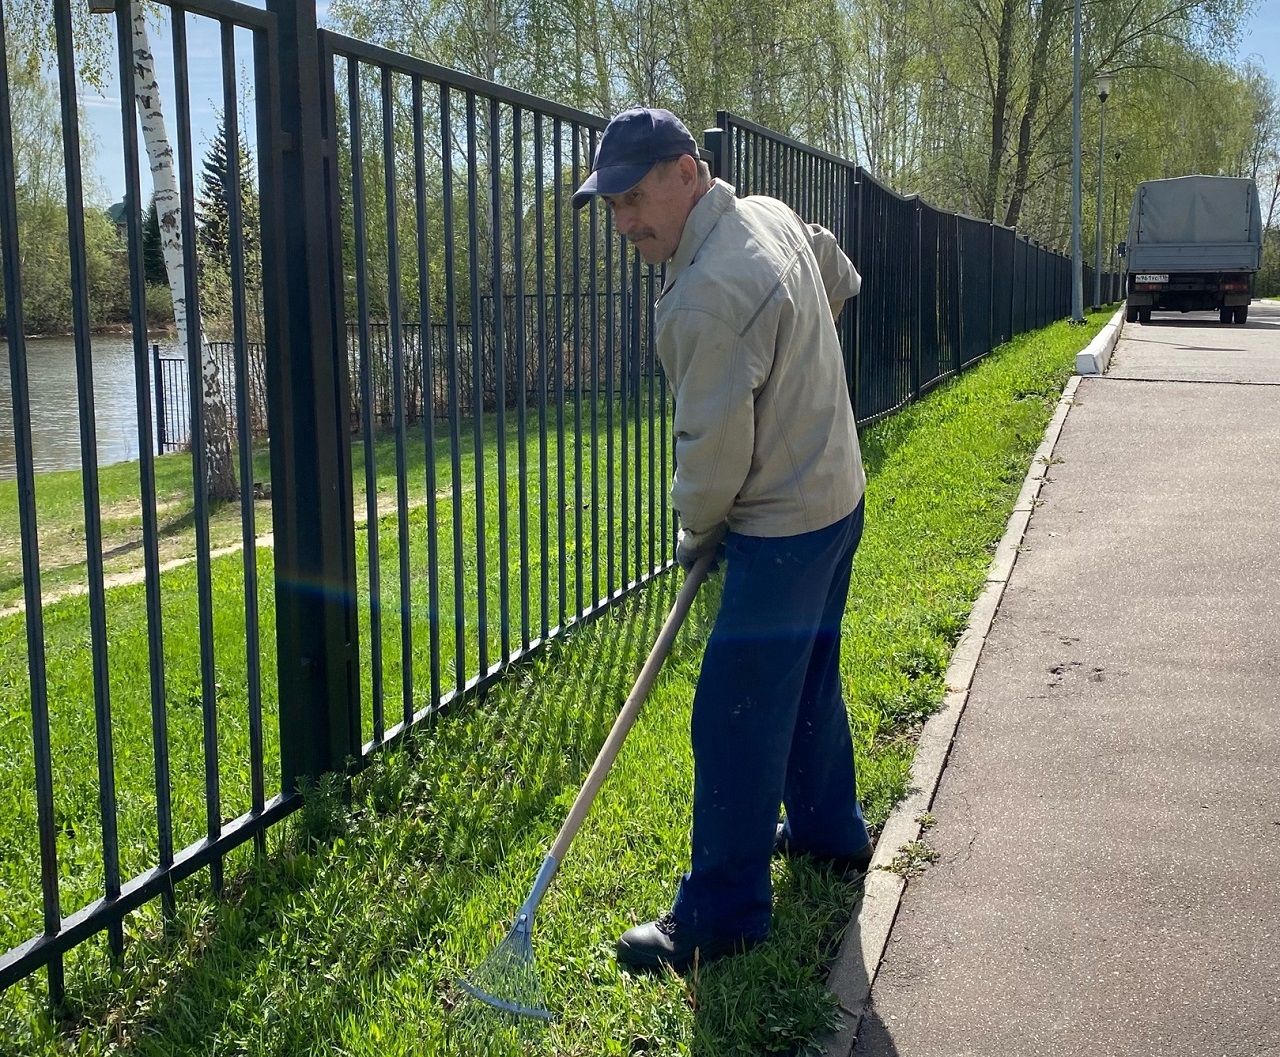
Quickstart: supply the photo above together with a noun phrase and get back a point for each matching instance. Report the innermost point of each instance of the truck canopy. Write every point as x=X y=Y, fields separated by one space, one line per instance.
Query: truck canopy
x=1195 y=223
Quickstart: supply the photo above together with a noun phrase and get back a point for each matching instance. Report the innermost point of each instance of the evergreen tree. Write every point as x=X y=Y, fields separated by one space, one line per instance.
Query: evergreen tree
x=153 y=266
x=214 y=235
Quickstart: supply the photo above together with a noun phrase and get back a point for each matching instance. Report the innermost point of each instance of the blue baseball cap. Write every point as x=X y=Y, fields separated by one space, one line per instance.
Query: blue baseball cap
x=632 y=144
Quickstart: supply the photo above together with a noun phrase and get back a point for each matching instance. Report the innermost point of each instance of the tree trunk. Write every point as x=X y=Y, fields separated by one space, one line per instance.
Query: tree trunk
x=1040 y=54
x=1000 y=106
x=220 y=478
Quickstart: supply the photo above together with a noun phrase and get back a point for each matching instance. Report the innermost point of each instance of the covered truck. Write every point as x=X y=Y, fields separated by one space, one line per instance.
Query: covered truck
x=1194 y=243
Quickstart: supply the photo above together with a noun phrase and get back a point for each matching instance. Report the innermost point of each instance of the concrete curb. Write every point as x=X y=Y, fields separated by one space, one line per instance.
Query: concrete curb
x=854 y=970
x=1095 y=356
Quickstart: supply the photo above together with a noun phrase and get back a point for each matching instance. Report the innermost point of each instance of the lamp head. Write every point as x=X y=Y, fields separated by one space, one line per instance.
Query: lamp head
x=1104 y=86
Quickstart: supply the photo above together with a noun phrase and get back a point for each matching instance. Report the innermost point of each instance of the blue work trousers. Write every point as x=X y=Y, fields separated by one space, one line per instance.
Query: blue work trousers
x=770 y=726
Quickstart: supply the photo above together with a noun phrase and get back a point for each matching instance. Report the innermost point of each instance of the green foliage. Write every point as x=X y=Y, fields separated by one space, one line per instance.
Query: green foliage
x=159 y=301
x=215 y=238
x=40 y=185
x=967 y=102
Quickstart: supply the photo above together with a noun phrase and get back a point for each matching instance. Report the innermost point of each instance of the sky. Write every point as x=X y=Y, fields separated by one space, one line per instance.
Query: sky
x=1260 y=40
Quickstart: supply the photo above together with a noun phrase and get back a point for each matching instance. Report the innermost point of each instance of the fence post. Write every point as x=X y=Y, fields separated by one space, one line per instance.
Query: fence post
x=1013 y=255
x=855 y=323
x=991 y=285
x=715 y=141
x=158 y=381
x=307 y=387
x=917 y=337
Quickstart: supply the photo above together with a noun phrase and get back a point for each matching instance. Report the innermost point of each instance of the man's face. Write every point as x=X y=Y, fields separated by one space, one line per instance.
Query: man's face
x=651 y=215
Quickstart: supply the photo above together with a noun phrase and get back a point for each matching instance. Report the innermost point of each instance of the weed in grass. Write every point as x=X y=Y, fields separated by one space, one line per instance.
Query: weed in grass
x=912 y=858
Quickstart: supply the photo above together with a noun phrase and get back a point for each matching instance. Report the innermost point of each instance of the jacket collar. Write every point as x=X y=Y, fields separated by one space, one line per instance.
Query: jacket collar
x=720 y=199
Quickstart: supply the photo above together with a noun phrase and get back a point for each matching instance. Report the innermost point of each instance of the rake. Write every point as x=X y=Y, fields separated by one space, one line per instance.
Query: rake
x=508 y=978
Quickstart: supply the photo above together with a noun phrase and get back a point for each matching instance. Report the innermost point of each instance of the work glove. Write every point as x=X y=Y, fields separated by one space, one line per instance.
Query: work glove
x=690 y=546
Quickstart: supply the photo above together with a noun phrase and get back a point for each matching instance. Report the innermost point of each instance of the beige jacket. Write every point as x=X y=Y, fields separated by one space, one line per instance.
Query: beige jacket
x=764 y=431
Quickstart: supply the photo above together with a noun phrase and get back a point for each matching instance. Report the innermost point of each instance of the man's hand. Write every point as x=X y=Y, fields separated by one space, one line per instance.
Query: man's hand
x=690 y=546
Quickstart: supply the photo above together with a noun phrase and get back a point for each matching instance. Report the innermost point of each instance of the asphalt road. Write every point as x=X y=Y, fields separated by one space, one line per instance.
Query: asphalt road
x=1109 y=817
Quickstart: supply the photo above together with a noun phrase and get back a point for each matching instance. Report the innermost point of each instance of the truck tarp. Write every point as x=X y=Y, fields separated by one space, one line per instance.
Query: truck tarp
x=1200 y=223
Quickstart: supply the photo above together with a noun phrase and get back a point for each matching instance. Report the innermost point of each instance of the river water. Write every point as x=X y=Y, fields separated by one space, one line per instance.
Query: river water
x=55 y=416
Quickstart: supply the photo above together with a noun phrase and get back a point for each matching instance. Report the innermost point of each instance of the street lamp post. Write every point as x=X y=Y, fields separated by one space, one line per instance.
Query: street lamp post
x=1104 y=90
x=1077 y=263
x=1115 y=187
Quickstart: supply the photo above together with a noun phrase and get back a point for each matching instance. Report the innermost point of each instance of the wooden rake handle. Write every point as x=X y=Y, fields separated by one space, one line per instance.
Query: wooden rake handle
x=631 y=708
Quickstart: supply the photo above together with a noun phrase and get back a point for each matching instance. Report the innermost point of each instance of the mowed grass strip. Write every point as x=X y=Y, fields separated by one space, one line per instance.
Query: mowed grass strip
x=349 y=936
x=551 y=550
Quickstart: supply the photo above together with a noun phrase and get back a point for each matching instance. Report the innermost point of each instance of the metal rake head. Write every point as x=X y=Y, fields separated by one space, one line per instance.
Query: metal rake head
x=508 y=979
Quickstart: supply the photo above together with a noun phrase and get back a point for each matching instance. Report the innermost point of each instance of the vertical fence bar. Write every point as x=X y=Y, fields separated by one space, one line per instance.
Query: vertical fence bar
x=576 y=217
x=557 y=162
x=540 y=266
x=359 y=219
x=500 y=373
x=610 y=335
x=853 y=354
x=201 y=436
x=398 y=395
x=650 y=361
x=248 y=533
x=455 y=387
x=593 y=223
x=157 y=380
x=916 y=319
x=668 y=522
x=20 y=395
x=624 y=383
x=427 y=356
x=477 y=398
x=146 y=466
x=522 y=376
x=634 y=383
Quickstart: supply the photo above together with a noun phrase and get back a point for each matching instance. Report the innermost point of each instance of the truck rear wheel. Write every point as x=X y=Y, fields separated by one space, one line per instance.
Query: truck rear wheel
x=1225 y=314
x=1241 y=313
x=1130 y=314
x=1144 y=315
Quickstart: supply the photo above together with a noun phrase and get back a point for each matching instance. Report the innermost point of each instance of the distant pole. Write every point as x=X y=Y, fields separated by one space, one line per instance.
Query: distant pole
x=1104 y=90
x=1077 y=260
x=1115 y=264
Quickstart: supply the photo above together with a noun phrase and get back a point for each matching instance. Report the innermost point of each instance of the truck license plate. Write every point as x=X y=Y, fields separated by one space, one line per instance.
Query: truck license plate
x=1150 y=278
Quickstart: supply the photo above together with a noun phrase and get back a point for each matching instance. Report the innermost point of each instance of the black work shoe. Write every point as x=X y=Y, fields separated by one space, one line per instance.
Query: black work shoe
x=850 y=865
x=667 y=942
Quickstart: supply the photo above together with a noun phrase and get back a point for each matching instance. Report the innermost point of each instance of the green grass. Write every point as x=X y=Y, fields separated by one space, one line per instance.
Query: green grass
x=70 y=670
x=349 y=935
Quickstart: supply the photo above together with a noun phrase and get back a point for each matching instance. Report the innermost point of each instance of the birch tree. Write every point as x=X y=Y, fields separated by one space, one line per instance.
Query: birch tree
x=219 y=466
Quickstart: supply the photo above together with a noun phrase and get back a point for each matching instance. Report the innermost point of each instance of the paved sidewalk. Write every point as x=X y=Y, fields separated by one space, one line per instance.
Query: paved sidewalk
x=1109 y=818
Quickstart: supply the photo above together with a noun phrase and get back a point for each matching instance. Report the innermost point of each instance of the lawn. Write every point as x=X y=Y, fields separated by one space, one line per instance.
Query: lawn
x=348 y=937
x=592 y=561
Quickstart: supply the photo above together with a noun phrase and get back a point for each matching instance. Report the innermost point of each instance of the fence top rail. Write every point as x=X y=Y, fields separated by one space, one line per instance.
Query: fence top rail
x=865 y=177
x=225 y=11
x=726 y=119
x=397 y=62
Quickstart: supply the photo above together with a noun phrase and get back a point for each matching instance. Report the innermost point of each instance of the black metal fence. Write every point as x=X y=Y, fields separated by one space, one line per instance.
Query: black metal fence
x=412 y=565
x=939 y=290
